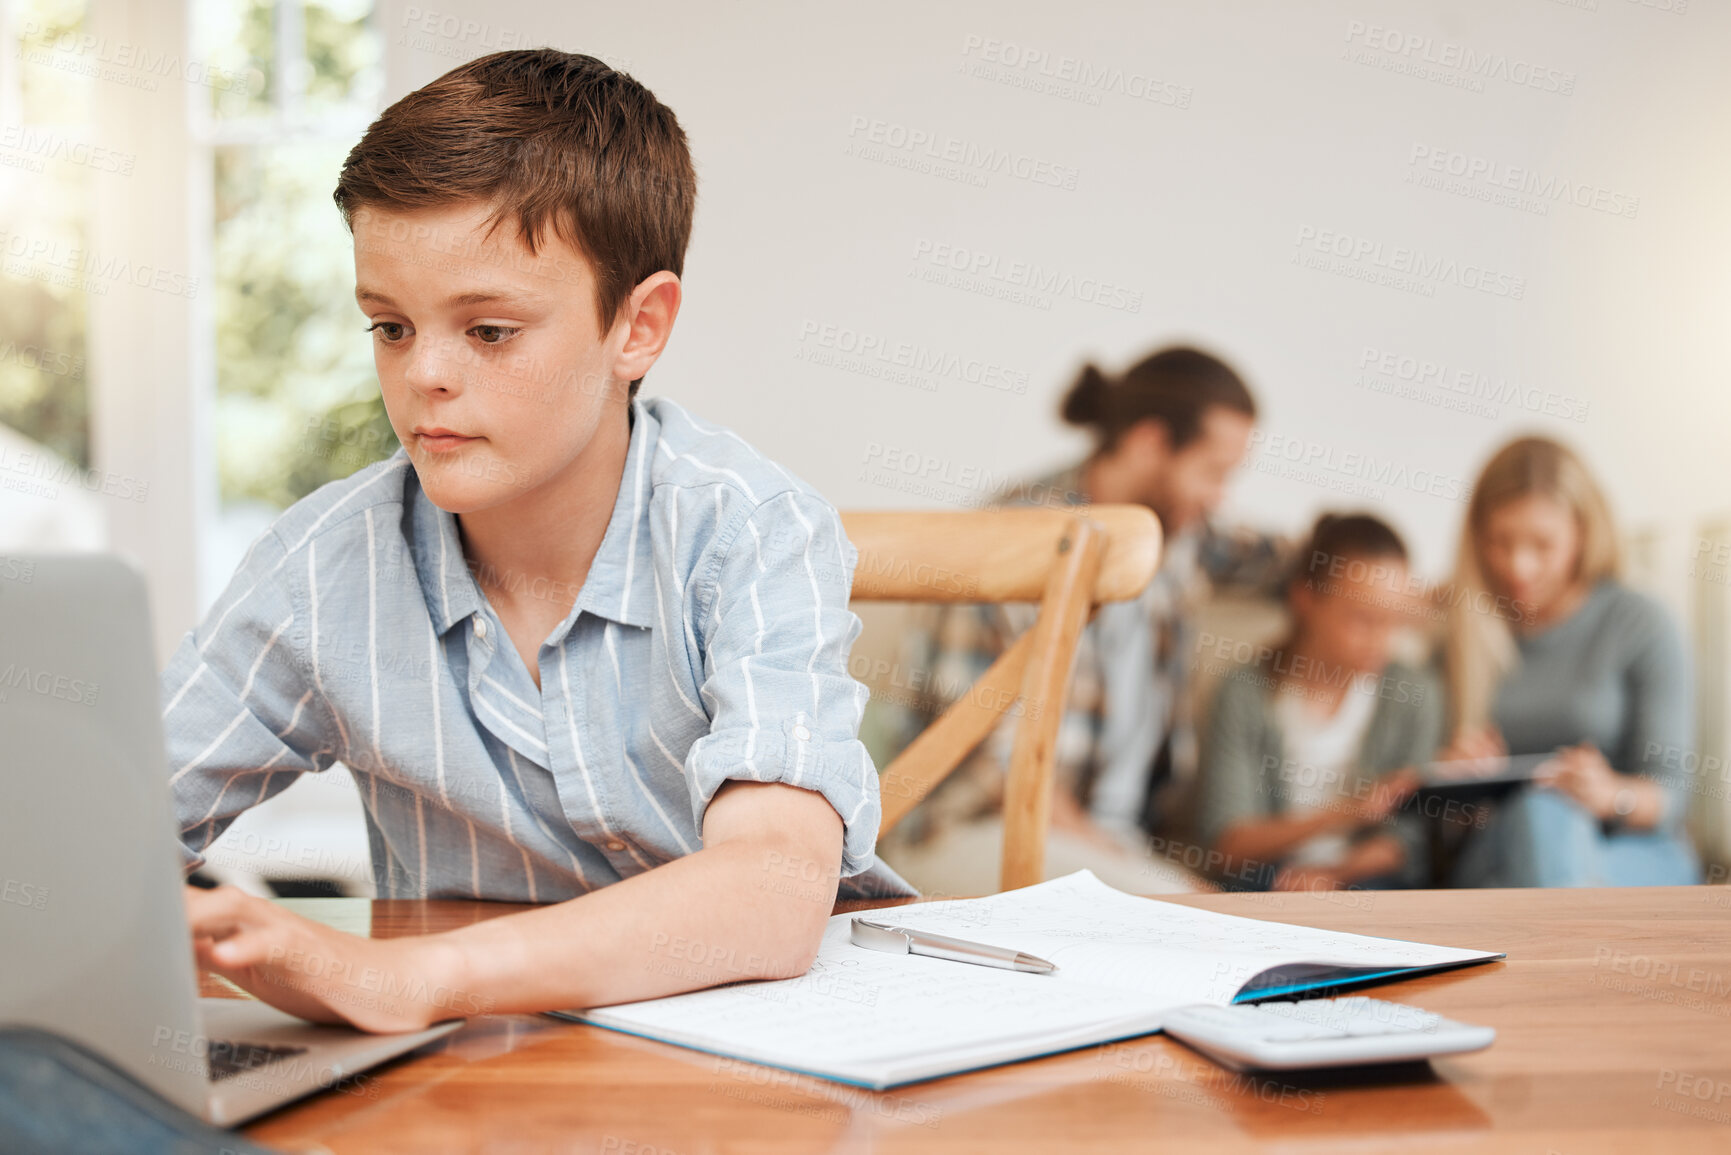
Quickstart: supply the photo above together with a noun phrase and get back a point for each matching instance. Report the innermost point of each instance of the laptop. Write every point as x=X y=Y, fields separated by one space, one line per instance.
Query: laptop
x=94 y=943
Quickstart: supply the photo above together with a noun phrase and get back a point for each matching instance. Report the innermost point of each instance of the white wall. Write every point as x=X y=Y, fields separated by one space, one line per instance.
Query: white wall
x=1199 y=210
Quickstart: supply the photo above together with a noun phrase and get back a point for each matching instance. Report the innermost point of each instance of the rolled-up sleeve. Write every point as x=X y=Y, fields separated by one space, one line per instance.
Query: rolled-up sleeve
x=237 y=703
x=783 y=707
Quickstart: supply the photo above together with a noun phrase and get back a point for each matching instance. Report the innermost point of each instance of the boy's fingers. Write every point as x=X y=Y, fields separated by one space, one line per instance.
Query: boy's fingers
x=222 y=912
x=249 y=948
x=207 y=918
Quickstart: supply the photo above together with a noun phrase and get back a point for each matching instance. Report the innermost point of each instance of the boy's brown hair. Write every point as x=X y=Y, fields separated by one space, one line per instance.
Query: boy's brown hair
x=555 y=139
x=1340 y=537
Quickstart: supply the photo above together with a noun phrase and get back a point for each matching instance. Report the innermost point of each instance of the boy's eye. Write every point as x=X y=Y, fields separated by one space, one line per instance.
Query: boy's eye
x=389 y=331
x=494 y=334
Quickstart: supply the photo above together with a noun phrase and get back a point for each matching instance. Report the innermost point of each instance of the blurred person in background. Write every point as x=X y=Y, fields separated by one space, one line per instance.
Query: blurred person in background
x=1547 y=651
x=1168 y=434
x=1310 y=748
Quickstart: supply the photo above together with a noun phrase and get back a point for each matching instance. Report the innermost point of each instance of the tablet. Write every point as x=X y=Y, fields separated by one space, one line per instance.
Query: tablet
x=1498 y=769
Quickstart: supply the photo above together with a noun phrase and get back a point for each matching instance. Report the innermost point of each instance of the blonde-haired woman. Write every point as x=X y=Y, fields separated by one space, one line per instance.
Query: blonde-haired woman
x=1547 y=651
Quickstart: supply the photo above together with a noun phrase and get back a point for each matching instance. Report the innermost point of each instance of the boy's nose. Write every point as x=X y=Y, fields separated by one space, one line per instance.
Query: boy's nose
x=434 y=367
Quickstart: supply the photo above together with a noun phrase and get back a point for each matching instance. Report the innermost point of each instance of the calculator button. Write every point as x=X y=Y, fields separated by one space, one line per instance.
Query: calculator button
x=1367 y=1025
x=1278 y=1030
x=1275 y=1028
x=1322 y=1012
x=1391 y=1019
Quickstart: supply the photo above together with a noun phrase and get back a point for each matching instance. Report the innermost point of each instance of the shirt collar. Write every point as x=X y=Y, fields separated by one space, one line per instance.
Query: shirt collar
x=621 y=583
x=446 y=582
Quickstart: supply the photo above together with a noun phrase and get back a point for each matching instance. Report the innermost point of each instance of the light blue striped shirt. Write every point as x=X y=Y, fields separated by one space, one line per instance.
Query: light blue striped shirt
x=709 y=642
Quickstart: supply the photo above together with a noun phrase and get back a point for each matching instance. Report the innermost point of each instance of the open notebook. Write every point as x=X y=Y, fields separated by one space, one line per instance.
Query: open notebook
x=879 y=1020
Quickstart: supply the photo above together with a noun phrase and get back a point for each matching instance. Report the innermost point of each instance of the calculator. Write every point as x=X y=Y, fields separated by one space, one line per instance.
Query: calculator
x=1339 y=1032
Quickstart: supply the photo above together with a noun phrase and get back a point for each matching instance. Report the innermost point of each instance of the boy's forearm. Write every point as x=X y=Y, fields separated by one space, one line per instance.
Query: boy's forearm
x=1272 y=838
x=737 y=910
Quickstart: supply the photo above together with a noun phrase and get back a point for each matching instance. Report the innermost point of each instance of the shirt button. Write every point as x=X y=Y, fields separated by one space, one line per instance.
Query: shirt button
x=481 y=628
x=803 y=734
x=615 y=846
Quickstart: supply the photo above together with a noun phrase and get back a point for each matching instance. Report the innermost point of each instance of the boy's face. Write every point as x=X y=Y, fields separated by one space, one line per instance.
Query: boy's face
x=1349 y=617
x=493 y=368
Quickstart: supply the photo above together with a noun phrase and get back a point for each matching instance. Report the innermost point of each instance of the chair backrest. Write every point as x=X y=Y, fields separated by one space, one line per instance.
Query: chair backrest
x=1069 y=562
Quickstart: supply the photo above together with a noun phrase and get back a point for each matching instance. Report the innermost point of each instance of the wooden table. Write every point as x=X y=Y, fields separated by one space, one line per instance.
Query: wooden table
x=1613 y=1014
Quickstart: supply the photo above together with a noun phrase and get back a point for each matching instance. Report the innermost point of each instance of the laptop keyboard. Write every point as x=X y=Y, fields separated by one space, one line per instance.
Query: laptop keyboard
x=228 y=1057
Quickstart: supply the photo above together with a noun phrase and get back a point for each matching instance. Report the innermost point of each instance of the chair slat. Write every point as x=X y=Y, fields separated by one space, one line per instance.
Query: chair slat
x=940 y=747
x=1045 y=682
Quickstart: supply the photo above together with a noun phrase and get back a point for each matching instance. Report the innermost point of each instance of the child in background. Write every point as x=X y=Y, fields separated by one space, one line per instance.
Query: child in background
x=1308 y=752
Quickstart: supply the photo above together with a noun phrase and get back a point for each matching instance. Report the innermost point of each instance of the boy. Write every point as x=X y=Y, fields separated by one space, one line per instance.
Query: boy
x=640 y=713
x=1307 y=765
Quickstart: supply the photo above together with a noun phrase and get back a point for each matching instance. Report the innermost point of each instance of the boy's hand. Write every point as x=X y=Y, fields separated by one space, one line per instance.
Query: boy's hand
x=324 y=975
x=1385 y=796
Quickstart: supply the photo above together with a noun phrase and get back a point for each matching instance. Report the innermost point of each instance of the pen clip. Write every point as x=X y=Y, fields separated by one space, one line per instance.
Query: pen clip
x=877 y=936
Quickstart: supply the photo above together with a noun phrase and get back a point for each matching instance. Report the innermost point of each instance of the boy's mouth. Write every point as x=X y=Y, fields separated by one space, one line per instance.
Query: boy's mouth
x=441 y=440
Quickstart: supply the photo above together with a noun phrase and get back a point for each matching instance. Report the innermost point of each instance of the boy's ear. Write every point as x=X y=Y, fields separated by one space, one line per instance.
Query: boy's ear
x=648 y=317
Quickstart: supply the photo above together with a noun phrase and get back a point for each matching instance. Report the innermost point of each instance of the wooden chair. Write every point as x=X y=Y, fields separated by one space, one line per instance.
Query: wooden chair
x=1068 y=561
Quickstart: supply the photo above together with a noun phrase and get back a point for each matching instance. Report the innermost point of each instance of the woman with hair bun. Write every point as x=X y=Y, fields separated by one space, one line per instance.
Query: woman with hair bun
x=1168 y=433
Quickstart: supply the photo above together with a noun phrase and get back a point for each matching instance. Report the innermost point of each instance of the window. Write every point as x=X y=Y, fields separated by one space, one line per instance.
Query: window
x=297 y=400
x=48 y=159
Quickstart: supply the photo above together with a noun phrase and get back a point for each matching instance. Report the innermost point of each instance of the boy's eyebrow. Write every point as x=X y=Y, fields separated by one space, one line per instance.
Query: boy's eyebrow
x=364 y=295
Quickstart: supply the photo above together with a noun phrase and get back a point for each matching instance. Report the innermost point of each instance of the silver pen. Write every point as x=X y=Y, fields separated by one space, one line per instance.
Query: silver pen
x=900 y=940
